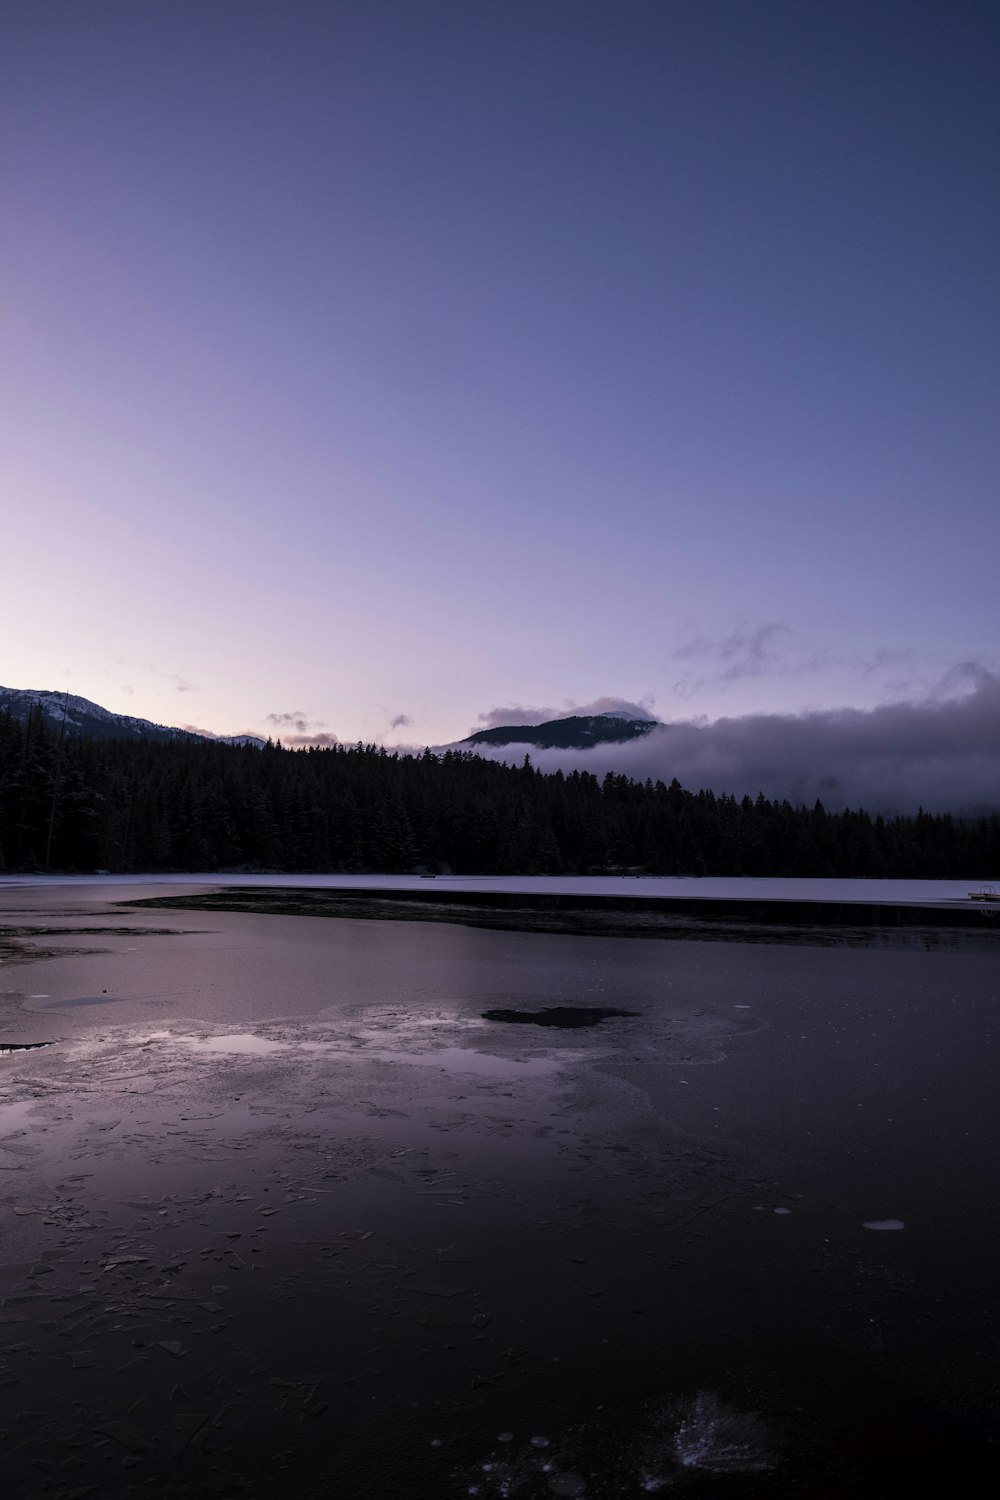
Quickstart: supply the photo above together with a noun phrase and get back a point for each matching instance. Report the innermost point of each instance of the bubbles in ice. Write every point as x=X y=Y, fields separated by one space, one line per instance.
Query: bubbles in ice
x=525 y=1472
x=703 y=1435
x=883 y=1224
x=718 y=1439
x=498 y=1481
x=694 y=1437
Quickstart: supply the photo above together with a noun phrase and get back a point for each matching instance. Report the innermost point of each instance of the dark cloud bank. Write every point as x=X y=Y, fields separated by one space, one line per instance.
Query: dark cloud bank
x=942 y=753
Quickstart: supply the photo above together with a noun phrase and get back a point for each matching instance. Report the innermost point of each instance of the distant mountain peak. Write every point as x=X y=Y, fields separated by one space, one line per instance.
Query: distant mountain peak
x=575 y=732
x=628 y=714
x=81 y=716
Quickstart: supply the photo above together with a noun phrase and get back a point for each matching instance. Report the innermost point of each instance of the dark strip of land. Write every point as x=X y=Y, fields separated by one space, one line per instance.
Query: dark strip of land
x=804 y=923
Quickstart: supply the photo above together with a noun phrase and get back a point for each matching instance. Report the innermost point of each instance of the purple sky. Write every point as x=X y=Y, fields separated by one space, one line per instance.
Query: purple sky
x=377 y=362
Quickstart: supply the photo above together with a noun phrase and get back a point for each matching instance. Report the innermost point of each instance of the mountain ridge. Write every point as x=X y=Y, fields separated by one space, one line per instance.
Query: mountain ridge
x=82 y=716
x=574 y=732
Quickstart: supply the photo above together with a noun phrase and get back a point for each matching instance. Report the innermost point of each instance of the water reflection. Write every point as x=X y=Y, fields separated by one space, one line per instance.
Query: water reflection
x=450 y=1059
x=13 y=1116
x=244 y=1043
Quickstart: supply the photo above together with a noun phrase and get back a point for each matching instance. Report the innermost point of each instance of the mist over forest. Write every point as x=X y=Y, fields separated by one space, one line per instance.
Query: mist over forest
x=941 y=753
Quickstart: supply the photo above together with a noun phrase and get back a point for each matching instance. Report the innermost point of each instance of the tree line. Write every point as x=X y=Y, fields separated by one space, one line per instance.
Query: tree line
x=69 y=803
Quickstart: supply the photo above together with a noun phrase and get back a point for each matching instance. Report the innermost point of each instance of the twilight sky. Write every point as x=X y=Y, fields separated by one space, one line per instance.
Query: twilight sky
x=371 y=365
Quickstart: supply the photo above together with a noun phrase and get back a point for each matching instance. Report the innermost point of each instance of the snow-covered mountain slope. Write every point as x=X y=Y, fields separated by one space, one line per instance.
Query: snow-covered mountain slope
x=81 y=716
x=577 y=732
x=628 y=715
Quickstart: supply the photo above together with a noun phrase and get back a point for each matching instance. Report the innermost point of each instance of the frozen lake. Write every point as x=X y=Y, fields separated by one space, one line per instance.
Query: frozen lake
x=279 y=1198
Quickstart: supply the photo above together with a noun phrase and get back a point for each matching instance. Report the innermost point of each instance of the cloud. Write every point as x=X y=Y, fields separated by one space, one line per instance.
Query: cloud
x=400 y=721
x=941 y=752
x=180 y=683
x=964 y=677
x=773 y=650
x=212 y=734
x=865 y=666
x=516 y=713
x=642 y=710
x=319 y=741
x=733 y=658
x=743 y=653
x=296 y=719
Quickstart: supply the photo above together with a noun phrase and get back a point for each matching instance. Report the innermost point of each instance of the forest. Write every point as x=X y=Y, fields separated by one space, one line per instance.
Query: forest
x=68 y=803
